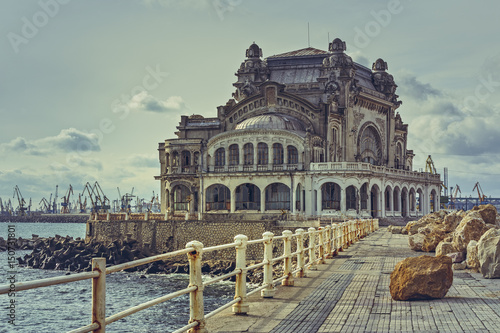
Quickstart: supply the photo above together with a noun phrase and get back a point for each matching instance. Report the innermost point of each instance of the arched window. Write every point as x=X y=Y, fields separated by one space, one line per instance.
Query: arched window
x=330 y=196
x=370 y=147
x=399 y=156
x=196 y=158
x=277 y=153
x=248 y=154
x=350 y=196
x=218 y=198
x=277 y=197
x=247 y=197
x=234 y=155
x=175 y=159
x=262 y=153
x=293 y=155
x=181 y=197
x=186 y=158
x=220 y=157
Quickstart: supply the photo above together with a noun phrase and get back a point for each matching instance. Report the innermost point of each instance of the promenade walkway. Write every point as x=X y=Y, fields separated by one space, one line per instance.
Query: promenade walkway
x=350 y=293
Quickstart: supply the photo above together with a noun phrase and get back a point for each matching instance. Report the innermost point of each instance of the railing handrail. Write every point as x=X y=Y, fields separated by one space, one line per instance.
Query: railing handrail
x=330 y=240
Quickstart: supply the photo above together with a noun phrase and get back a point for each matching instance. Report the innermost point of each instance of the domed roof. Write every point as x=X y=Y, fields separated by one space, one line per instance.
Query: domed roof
x=272 y=121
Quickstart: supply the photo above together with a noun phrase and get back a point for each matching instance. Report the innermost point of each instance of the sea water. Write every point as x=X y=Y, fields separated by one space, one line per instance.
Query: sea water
x=67 y=306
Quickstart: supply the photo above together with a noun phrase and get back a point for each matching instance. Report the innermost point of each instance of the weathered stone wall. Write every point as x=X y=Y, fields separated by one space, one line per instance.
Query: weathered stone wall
x=166 y=236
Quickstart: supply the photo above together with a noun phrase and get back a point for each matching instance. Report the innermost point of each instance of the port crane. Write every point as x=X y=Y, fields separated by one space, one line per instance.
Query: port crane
x=429 y=166
x=65 y=201
x=480 y=194
x=3 y=210
x=100 y=203
x=125 y=200
x=453 y=195
x=54 y=203
x=45 y=205
x=21 y=208
x=82 y=205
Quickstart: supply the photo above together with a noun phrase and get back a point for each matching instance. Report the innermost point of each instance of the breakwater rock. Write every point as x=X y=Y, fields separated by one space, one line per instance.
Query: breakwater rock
x=68 y=254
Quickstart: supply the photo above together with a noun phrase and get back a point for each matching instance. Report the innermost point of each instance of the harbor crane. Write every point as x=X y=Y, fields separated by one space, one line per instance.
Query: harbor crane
x=45 y=205
x=65 y=201
x=82 y=205
x=21 y=209
x=100 y=203
x=429 y=166
x=125 y=200
x=453 y=195
x=3 y=210
x=54 y=203
x=480 y=194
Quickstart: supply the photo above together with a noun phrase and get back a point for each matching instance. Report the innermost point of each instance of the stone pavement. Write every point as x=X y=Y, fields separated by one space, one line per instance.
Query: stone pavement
x=350 y=293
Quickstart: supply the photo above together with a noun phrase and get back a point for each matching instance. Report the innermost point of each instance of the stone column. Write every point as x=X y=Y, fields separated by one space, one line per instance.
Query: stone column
x=263 y=200
x=233 y=200
x=343 y=209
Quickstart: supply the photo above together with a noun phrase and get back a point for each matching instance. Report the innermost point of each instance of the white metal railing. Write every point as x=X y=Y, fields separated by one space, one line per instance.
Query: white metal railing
x=363 y=167
x=323 y=243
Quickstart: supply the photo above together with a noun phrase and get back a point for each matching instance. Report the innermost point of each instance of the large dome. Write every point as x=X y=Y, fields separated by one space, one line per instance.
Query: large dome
x=272 y=121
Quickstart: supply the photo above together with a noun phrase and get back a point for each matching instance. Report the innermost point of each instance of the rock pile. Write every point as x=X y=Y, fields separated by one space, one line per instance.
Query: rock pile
x=68 y=254
x=458 y=235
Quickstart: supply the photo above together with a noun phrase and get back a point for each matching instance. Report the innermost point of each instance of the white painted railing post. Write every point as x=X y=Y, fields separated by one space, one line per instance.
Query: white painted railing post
x=312 y=250
x=197 y=312
x=268 y=268
x=328 y=240
x=300 y=253
x=287 y=263
x=242 y=306
x=321 y=241
x=99 y=294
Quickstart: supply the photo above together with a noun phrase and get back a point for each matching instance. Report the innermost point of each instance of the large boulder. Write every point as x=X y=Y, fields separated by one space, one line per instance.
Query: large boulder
x=443 y=248
x=433 y=237
x=488 y=213
x=413 y=226
x=472 y=227
x=488 y=252
x=415 y=241
x=423 y=277
x=472 y=259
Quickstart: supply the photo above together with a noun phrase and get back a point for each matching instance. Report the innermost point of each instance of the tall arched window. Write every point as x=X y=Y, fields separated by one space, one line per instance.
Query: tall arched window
x=330 y=196
x=220 y=157
x=247 y=197
x=218 y=198
x=248 y=154
x=370 y=146
x=351 y=197
x=277 y=197
x=262 y=153
x=234 y=155
x=277 y=153
x=181 y=197
x=293 y=155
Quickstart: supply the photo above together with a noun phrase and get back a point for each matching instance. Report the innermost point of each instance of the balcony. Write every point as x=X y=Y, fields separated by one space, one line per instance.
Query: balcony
x=257 y=168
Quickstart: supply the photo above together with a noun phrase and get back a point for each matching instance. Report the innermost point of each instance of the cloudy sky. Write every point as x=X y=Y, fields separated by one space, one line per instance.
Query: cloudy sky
x=89 y=88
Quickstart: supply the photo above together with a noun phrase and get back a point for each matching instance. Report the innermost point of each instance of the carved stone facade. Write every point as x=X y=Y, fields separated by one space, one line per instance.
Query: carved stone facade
x=307 y=133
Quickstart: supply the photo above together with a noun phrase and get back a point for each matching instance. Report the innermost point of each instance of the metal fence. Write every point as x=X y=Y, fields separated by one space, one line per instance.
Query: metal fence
x=322 y=243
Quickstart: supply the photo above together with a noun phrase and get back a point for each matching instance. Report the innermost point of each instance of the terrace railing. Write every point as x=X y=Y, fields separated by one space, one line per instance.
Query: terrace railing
x=322 y=243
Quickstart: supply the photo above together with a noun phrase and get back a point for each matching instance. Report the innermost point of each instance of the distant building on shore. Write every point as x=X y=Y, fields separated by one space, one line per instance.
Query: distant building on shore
x=308 y=133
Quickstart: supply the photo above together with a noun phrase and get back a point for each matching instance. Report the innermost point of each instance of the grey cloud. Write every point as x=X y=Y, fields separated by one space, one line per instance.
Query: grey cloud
x=68 y=140
x=143 y=161
x=144 y=102
x=411 y=87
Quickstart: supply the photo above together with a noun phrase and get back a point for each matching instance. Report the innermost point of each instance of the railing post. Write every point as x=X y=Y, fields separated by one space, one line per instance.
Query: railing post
x=287 y=263
x=328 y=232
x=197 y=312
x=268 y=268
x=321 y=241
x=335 y=236
x=99 y=294
x=300 y=253
x=312 y=252
x=242 y=306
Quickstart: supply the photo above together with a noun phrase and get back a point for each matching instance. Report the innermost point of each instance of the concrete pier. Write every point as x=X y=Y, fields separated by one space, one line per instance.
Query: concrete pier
x=350 y=293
